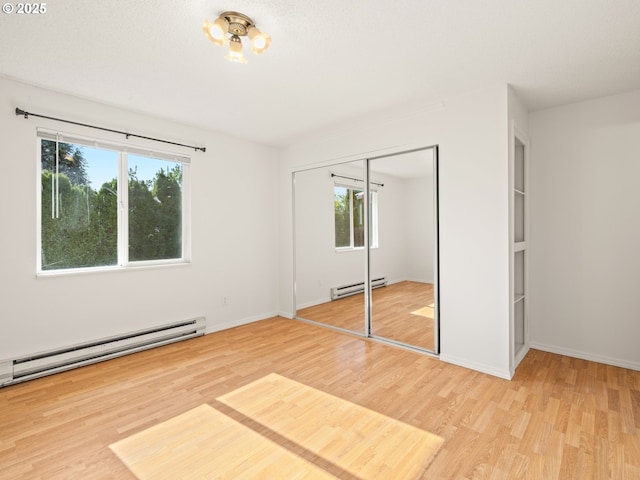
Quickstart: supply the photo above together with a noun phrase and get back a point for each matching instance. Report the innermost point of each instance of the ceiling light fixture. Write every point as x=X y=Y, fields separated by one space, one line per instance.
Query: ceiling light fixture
x=236 y=25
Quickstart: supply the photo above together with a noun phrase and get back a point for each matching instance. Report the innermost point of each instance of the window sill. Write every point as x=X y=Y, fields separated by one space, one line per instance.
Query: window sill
x=354 y=249
x=112 y=268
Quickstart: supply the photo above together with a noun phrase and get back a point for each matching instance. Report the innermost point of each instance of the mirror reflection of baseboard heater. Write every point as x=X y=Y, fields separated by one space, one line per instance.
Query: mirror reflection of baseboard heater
x=354 y=288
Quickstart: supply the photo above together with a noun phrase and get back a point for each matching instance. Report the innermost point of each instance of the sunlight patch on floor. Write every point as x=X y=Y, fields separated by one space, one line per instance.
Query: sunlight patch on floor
x=205 y=443
x=275 y=427
x=356 y=439
x=424 y=312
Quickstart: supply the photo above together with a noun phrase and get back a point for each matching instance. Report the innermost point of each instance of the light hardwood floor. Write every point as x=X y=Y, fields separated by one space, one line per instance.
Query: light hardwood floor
x=392 y=311
x=558 y=418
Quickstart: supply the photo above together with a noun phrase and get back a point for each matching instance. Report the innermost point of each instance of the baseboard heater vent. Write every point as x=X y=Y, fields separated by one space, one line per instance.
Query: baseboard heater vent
x=353 y=288
x=59 y=360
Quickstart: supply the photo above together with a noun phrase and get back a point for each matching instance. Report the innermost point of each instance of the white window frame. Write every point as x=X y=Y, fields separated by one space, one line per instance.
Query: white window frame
x=123 y=262
x=374 y=215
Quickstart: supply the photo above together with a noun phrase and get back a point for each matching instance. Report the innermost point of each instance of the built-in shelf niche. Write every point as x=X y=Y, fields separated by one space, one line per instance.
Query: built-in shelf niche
x=519 y=317
x=518 y=275
x=519 y=212
x=519 y=216
x=519 y=299
x=519 y=192
x=518 y=177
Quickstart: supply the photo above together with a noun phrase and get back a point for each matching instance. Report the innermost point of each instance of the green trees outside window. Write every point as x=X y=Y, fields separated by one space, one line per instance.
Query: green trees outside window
x=349 y=217
x=342 y=208
x=155 y=212
x=81 y=226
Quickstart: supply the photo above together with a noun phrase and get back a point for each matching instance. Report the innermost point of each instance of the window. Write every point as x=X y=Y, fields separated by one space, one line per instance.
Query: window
x=102 y=205
x=349 y=217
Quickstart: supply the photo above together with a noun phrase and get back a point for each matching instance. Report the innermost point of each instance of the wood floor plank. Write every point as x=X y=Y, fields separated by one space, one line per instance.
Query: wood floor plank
x=558 y=418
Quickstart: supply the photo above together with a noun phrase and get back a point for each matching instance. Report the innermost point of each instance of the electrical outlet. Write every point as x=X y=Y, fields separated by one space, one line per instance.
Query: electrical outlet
x=225 y=301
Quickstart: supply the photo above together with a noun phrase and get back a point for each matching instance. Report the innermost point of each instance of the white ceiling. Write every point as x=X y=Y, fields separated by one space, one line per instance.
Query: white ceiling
x=330 y=61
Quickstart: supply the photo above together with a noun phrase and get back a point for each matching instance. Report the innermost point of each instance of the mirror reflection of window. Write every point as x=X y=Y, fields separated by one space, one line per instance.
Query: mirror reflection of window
x=349 y=217
x=342 y=214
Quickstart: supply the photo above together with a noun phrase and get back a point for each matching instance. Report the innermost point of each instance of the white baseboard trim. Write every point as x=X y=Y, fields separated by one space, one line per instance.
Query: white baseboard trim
x=420 y=280
x=217 y=327
x=313 y=303
x=616 y=362
x=416 y=280
x=288 y=315
x=478 y=367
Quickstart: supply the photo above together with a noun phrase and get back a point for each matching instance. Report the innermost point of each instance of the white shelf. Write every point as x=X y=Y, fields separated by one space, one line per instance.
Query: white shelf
x=519 y=246
x=519 y=191
x=518 y=298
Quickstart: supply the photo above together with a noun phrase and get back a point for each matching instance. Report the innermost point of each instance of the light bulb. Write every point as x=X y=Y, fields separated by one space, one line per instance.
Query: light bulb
x=219 y=28
x=259 y=41
x=235 y=50
x=216 y=31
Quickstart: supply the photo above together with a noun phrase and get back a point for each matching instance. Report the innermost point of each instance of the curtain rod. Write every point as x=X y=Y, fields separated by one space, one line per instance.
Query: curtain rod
x=355 y=179
x=26 y=115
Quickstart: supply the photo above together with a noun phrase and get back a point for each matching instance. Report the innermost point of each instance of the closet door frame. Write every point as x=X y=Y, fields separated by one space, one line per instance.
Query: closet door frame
x=518 y=299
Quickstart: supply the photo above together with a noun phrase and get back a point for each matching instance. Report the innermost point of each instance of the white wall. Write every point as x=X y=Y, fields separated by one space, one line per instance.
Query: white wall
x=390 y=258
x=234 y=235
x=419 y=234
x=585 y=232
x=517 y=112
x=474 y=253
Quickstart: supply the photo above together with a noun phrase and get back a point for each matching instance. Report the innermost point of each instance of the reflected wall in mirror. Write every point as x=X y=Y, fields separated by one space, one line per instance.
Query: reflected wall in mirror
x=329 y=246
x=405 y=310
x=333 y=267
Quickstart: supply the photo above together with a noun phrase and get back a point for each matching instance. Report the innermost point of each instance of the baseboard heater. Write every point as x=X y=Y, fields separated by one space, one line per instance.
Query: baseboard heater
x=59 y=360
x=354 y=288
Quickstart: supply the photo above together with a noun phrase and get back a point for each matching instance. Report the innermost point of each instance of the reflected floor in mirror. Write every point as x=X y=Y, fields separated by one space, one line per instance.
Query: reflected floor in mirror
x=402 y=312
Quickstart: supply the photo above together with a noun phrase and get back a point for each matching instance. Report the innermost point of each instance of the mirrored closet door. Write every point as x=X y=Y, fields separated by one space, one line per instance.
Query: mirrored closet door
x=403 y=193
x=369 y=267
x=329 y=217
